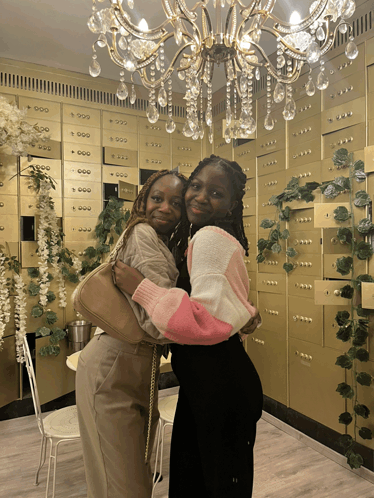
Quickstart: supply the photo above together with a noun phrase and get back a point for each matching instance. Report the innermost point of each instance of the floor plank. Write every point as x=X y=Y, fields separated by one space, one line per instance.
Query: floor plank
x=284 y=466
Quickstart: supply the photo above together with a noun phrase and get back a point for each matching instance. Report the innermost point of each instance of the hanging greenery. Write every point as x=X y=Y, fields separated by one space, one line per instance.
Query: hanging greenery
x=353 y=324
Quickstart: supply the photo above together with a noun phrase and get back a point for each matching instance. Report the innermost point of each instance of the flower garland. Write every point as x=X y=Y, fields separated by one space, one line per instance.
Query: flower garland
x=4 y=298
x=15 y=132
x=20 y=315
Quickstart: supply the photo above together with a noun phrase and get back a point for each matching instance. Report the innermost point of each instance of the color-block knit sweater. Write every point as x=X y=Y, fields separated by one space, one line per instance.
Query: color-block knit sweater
x=217 y=307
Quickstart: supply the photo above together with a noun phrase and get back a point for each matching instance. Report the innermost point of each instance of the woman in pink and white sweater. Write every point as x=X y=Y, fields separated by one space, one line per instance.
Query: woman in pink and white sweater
x=220 y=397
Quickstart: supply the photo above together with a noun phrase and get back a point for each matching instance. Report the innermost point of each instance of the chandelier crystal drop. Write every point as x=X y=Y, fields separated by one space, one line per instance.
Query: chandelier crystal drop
x=194 y=40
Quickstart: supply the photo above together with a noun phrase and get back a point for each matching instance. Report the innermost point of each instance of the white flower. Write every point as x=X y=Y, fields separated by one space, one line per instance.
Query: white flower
x=4 y=299
x=20 y=315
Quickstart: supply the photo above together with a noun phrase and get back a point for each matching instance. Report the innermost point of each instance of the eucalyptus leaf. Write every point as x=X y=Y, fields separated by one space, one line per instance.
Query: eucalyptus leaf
x=267 y=223
x=33 y=288
x=276 y=248
x=344 y=265
x=363 y=250
x=284 y=214
x=342 y=182
x=261 y=244
x=344 y=361
x=345 y=390
x=73 y=277
x=360 y=176
x=288 y=267
x=342 y=317
x=345 y=418
x=345 y=235
x=362 y=311
x=344 y=333
x=260 y=258
x=362 y=278
x=354 y=460
x=36 y=311
x=347 y=291
x=51 y=317
x=359 y=165
x=361 y=199
x=51 y=296
x=341 y=213
x=340 y=157
x=345 y=441
x=291 y=253
x=33 y=272
x=285 y=234
x=42 y=332
x=364 y=378
x=90 y=252
x=365 y=433
x=365 y=226
x=362 y=410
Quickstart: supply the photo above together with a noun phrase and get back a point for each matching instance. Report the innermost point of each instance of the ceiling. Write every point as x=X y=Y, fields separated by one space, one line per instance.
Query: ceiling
x=54 y=33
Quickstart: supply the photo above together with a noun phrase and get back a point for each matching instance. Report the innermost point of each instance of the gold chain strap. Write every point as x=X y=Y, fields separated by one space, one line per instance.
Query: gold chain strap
x=151 y=398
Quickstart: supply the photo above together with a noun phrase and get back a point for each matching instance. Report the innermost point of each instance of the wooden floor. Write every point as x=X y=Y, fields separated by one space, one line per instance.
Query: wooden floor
x=284 y=466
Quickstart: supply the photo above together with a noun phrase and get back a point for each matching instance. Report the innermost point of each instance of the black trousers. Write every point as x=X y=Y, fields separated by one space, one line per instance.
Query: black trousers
x=220 y=402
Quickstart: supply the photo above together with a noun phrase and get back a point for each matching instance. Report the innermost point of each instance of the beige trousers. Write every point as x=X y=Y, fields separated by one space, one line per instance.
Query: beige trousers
x=112 y=392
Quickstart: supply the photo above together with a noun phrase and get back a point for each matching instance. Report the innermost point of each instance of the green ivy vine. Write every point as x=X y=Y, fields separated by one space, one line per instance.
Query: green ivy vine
x=353 y=324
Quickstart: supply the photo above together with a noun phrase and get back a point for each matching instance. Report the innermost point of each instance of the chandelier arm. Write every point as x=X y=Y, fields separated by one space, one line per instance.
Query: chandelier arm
x=168 y=9
x=288 y=28
x=192 y=16
x=150 y=35
x=246 y=7
x=206 y=22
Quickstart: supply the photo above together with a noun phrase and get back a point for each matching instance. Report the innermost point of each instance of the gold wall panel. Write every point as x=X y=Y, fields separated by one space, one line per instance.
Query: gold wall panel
x=222 y=149
x=111 y=174
x=27 y=187
x=279 y=124
x=301 y=285
x=50 y=149
x=245 y=152
x=82 y=153
x=369 y=51
x=82 y=190
x=29 y=256
x=9 y=229
x=8 y=205
x=273 y=263
x=125 y=139
x=262 y=106
x=218 y=127
x=271 y=282
x=50 y=128
x=305 y=152
x=251 y=262
x=272 y=309
x=249 y=206
x=369 y=158
x=151 y=159
x=305 y=173
x=305 y=320
x=329 y=266
x=120 y=122
x=268 y=352
x=9 y=372
x=352 y=138
x=8 y=97
x=8 y=165
x=306 y=130
x=266 y=207
x=30 y=205
x=344 y=90
x=307 y=264
x=271 y=163
x=302 y=219
x=313 y=381
x=367 y=293
x=249 y=223
x=79 y=229
x=371 y=132
x=307 y=107
x=349 y=114
x=252 y=242
x=51 y=167
x=272 y=184
x=306 y=242
x=120 y=157
x=340 y=68
x=330 y=171
x=327 y=292
x=250 y=188
x=85 y=116
x=75 y=133
x=160 y=145
x=78 y=171
x=248 y=166
x=82 y=207
x=330 y=327
x=189 y=150
x=40 y=109
x=146 y=128
x=252 y=277
x=324 y=214
x=299 y=87
x=271 y=143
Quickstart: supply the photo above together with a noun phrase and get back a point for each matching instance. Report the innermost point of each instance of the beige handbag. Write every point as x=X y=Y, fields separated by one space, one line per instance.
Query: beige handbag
x=98 y=300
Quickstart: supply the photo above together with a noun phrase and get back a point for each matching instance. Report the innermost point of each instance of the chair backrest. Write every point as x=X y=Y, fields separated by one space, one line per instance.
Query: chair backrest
x=33 y=386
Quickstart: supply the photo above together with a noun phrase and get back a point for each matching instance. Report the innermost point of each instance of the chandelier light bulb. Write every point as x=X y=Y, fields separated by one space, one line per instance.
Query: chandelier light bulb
x=143 y=25
x=295 y=17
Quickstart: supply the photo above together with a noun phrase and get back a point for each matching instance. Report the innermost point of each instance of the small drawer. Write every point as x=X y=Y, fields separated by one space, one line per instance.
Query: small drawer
x=307 y=107
x=125 y=139
x=344 y=115
x=332 y=245
x=184 y=165
x=330 y=171
x=250 y=188
x=279 y=124
x=271 y=163
x=327 y=292
x=85 y=116
x=8 y=205
x=271 y=143
x=29 y=255
x=306 y=242
x=352 y=138
x=329 y=266
x=299 y=87
x=307 y=264
x=9 y=229
x=51 y=128
x=78 y=171
x=301 y=285
x=249 y=224
x=8 y=165
x=248 y=167
x=127 y=191
x=82 y=190
x=273 y=310
x=77 y=134
x=111 y=174
x=120 y=157
x=265 y=206
x=271 y=184
x=305 y=153
x=252 y=242
x=82 y=153
x=274 y=283
x=79 y=229
x=350 y=88
x=273 y=263
x=224 y=150
x=151 y=159
x=146 y=128
x=27 y=187
x=50 y=149
x=82 y=207
x=8 y=185
x=190 y=150
x=120 y=122
x=40 y=109
x=324 y=214
x=159 y=145
x=250 y=262
x=302 y=220
x=51 y=167
x=30 y=206
x=330 y=327
x=304 y=131
x=305 y=320
x=245 y=152
x=305 y=173
x=340 y=67
x=249 y=206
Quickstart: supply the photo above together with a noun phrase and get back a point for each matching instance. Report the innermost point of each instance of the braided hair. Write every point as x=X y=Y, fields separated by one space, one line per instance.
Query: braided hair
x=232 y=223
x=137 y=214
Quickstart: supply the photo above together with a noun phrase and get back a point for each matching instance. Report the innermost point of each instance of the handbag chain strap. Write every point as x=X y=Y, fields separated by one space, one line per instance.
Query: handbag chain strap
x=151 y=399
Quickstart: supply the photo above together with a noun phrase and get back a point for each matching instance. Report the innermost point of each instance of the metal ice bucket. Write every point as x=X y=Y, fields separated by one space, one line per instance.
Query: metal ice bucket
x=79 y=333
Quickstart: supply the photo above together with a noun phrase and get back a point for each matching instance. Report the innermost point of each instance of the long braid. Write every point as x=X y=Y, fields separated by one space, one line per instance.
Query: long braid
x=238 y=181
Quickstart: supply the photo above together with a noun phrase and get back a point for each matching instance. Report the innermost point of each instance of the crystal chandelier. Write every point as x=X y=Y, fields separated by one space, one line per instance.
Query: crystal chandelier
x=224 y=32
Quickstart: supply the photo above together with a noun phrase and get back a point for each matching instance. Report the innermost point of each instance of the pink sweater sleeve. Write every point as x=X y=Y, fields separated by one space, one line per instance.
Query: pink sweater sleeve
x=217 y=307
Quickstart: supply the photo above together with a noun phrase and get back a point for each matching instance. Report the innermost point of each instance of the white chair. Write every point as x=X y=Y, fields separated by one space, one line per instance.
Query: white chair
x=59 y=426
x=166 y=407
